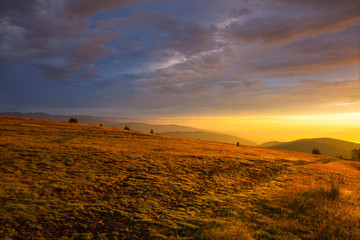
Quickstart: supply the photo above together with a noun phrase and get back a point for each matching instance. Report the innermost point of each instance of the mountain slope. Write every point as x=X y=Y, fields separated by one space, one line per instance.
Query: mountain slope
x=106 y=121
x=327 y=146
x=137 y=126
x=270 y=144
x=158 y=128
x=217 y=137
x=72 y=181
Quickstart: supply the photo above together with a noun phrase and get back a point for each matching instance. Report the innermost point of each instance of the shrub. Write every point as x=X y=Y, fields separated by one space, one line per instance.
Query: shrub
x=126 y=128
x=73 y=120
x=355 y=154
x=334 y=192
x=316 y=151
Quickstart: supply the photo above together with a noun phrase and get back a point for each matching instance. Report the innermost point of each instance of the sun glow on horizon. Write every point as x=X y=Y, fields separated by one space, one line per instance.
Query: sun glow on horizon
x=344 y=126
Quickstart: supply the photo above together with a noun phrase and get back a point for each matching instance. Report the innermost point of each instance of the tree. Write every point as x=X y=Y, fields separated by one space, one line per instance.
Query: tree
x=73 y=120
x=126 y=128
x=355 y=154
x=100 y=125
x=316 y=151
x=152 y=131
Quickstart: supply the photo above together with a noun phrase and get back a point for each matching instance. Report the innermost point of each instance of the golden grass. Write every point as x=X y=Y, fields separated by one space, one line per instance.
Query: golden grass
x=72 y=181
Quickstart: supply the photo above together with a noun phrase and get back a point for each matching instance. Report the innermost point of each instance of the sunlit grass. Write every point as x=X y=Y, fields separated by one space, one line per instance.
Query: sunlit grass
x=69 y=181
x=321 y=210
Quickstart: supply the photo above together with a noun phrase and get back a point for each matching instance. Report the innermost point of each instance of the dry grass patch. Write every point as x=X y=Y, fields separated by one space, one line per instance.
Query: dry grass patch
x=320 y=211
x=73 y=181
x=234 y=229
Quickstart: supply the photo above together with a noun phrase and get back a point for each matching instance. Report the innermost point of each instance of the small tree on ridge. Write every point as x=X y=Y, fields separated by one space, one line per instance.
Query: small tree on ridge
x=316 y=151
x=73 y=120
x=355 y=154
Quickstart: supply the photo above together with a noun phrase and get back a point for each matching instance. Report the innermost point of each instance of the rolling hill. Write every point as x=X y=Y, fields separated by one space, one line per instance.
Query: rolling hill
x=210 y=136
x=158 y=128
x=327 y=146
x=72 y=181
x=170 y=130
x=270 y=144
x=106 y=121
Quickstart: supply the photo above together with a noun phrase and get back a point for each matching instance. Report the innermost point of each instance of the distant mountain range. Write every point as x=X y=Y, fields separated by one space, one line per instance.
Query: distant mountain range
x=105 y=121
x=210 y=136
x=270 y=144
x=327 y=146
x=169 y=130
x=157 y=128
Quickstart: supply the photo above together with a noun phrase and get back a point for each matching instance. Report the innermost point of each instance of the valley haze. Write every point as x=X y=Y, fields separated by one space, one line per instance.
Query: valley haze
x=327 y=146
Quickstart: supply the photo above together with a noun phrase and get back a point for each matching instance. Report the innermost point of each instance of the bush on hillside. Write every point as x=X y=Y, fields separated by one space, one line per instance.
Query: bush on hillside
x=73 y=120
x=316 y=151
x=355 y=154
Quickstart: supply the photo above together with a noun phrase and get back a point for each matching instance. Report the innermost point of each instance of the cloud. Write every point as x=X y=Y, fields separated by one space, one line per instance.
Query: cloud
x=186 y=37
x=280 y=28
x=90 y=71
x=222 y=56
x=57 y=46
x=59 y=38
x=304 y=56
x=174 y=48
x=85 y=8
x=235 y=13
x=320 y=90
x=24 y=7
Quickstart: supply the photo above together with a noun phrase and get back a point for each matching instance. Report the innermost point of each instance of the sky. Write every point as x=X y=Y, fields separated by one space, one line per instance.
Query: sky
x=262 y=69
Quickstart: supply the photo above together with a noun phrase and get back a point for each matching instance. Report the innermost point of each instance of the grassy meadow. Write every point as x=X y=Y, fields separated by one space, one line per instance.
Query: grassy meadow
x=73 y=181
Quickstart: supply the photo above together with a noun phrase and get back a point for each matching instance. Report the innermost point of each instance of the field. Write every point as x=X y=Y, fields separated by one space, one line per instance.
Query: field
x=72 y=181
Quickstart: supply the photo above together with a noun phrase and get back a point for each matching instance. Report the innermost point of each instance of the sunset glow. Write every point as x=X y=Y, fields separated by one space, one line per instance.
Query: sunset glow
x=263 y=70
x=180 y=119
x=343 y=126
